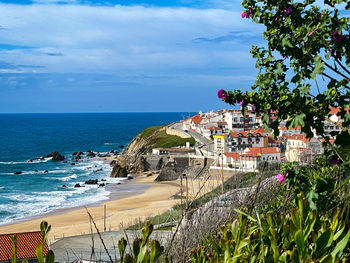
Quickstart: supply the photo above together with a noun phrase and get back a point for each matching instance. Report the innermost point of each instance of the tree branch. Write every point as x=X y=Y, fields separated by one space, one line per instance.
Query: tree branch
x=342 y=66
x=335 y=70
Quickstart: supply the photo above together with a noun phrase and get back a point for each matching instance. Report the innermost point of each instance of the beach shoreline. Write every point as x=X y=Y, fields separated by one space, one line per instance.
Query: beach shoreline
x=144 y=199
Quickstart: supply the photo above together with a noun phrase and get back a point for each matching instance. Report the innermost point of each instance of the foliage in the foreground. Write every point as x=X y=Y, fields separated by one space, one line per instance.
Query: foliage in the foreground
x=301 y=235
x=304 y=68
x=326 y=186
x=143 y=250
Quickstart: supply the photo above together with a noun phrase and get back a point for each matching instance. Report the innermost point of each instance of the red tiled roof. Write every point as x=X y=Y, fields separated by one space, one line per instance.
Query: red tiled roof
x=213 y=128
x=284 y=128
x=256 y=151
x=222 y=123
x=298 y=137
x=232 y=155
x=26 y=245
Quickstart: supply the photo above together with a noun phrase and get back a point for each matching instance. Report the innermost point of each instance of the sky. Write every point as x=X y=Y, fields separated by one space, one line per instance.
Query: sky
x=123 y=56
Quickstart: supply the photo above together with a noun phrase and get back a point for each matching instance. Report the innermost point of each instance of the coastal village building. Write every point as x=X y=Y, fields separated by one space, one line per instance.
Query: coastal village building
x=250 y=159
x=220 y=145
x=26 y=246
x=172 y=151
x=240 y=140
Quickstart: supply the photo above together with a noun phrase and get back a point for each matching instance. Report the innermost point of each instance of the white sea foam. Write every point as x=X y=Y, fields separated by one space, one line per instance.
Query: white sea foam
x=67 y=178
x=27 y=162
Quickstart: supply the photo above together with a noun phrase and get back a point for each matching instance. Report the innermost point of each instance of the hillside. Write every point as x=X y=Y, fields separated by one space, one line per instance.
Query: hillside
x=131 y=161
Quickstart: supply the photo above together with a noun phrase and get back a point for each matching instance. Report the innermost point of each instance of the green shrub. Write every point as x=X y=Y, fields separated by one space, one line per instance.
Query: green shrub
x=298 y=236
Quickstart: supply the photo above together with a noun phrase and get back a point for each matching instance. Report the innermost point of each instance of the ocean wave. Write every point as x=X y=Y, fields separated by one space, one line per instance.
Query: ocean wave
x=67 y=178
x=110 y=143
x=43 y=202
x=27 y=162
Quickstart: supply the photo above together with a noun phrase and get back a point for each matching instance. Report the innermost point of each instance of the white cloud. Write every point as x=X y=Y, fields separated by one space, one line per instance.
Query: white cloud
x=120 y=39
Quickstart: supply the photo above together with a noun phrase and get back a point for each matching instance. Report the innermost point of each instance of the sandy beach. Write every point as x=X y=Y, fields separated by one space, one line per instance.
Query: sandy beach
x=153 y=200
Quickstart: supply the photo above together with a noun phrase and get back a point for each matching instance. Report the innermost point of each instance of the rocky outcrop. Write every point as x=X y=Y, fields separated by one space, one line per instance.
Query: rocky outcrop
x=56 y=156
x=119 y=171
x=91 y=154
x=92 y=181
x=135 y=159
x=78 y=153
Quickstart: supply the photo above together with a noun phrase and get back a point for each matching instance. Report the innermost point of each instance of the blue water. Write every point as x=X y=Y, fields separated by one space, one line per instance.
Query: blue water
x=27 y=136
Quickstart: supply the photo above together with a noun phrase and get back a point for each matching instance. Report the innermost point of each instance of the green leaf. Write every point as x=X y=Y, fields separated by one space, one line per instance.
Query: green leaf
x=323 y=242
x=286 y=42
x=121 y=247
x=14 y=249
x=341 y=245
x=136 y=245
x=299 y=240
x=297 y=120
x=319 y=67
x=50 y=257
x=39 y=253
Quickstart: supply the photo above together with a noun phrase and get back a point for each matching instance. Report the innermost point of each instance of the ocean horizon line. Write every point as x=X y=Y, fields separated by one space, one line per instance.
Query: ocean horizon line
x=105 y=112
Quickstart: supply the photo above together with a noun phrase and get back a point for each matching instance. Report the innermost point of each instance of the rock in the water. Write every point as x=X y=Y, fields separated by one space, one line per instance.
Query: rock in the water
x=36 y=171
x=65 y=162
x=130 y=176
x=98 y=170
x=112 y=163
x=64 y=186
x=46 y=171
x=72 y=164
x=17 y=172
x=78 y=153
x=119 y=171
x=101 y=185
x=121 y=146
x=92 y=181
x=56 y=156
x=103 y=180
x=77 y=185
x=91 y=154
x=112 y=151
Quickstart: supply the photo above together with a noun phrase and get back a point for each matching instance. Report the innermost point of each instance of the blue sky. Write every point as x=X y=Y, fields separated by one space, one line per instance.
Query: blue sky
x=122 y=56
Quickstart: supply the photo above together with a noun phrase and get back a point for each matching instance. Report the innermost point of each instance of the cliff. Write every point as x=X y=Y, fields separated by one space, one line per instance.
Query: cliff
x=134 y=159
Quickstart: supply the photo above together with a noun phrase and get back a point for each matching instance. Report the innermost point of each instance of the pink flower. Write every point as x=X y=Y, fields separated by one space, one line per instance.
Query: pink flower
x=241 y=103
x=280 y=178
x=311 y=33
x=287 y=11
x=244 y=15
x=247 y=15
x=222 y=94
x=337 y=37
x=284 y=57
x=287 y=173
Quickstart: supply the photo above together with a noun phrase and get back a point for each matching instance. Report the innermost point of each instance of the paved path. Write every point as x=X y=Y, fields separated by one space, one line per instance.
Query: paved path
x=69 y=249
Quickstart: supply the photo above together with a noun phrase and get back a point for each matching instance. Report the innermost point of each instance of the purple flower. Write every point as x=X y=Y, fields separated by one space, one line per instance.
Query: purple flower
x=333 y=160
x=280 y=178
x=284 y=57
x=253 y=107
x=287 y=173
x=332 y=52
x=222 y=94
x=337 y=37
x=241 y=103
x=287 y=11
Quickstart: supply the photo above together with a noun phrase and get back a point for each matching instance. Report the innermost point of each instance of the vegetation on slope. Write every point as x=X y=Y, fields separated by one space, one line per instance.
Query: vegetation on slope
x=157 y=137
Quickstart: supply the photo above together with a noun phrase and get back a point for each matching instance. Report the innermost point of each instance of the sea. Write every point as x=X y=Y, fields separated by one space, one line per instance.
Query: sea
x=45 y=185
